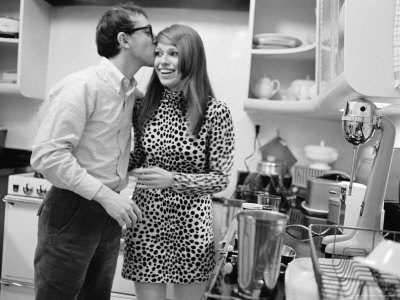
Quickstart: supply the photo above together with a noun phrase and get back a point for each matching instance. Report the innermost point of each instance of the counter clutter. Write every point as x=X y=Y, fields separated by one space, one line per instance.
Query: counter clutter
x=316 y=274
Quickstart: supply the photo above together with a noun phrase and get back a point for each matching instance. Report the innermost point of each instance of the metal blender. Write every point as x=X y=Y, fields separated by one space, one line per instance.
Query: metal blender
x=359 y=122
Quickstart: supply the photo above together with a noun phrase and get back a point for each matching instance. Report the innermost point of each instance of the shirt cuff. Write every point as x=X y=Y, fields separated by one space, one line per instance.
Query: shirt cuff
x=88 y=187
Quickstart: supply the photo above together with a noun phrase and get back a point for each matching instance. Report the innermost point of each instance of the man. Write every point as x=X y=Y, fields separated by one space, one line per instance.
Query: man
x=82 y=148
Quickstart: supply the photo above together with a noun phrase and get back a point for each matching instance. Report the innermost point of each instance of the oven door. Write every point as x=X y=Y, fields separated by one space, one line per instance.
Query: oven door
x=20 y=236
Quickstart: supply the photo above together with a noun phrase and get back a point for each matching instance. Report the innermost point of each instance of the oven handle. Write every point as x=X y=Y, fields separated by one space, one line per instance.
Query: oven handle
x=12 y=199
x=17 y=283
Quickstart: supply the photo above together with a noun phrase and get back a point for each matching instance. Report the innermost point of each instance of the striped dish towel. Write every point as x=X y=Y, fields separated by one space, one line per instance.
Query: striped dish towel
x=396 y=44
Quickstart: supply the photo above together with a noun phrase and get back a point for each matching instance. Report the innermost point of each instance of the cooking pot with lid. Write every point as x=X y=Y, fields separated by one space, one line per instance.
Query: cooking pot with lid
x=271 y=168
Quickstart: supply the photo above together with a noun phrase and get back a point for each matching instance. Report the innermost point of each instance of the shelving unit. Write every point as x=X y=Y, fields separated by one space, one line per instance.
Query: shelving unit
x=28 y=54
x=352 y=56
x=294 y=19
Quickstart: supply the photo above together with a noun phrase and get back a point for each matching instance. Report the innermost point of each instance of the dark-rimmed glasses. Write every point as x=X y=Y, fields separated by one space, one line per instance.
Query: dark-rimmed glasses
x=148 y=27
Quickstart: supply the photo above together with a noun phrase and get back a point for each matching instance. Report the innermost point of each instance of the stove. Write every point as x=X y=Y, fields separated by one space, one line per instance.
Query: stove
x=28 y=184
x=25 y=192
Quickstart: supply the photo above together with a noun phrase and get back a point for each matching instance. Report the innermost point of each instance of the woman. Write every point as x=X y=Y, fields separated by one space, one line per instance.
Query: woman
x=184 y=148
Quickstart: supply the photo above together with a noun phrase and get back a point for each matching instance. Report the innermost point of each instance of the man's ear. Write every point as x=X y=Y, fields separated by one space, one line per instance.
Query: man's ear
x=121 y=38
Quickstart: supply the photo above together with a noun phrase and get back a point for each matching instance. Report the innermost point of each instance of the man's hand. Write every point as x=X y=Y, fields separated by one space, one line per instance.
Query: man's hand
x=152 y=178
x=119 y=207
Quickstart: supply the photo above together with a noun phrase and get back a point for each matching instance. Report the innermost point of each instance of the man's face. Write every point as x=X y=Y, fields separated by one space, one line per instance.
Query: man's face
x=141 y=41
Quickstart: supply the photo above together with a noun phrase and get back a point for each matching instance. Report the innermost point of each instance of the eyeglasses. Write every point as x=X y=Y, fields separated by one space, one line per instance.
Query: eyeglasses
x=148 y=27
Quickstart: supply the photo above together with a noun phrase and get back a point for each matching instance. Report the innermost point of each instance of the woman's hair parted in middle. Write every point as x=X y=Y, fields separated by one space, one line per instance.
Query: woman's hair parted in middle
x=195 y=83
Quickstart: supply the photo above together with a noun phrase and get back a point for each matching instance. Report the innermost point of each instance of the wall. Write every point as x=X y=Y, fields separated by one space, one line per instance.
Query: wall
x=225 y=35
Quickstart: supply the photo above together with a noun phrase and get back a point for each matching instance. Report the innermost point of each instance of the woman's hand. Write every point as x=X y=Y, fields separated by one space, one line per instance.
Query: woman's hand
x=152 y=178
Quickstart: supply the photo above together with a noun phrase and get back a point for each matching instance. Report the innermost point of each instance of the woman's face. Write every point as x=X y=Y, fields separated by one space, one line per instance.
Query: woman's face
x=166 y=66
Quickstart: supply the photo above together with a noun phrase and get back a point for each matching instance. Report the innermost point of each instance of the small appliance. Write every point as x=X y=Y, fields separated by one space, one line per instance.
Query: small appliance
x=359 y=122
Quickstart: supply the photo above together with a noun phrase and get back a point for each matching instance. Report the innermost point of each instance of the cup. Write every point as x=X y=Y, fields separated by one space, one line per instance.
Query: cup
x=288 y=254
x=260 y=240
x=268 y=201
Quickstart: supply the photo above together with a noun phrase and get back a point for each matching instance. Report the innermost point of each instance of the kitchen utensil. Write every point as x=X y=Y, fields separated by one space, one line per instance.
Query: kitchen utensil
x=286 y=95
x=265 y=88
x=358 y=125
x=385 y=258
x=277 y=150
x=271 y=168
x=9 y=76
x=321 y=156
x=303 y=89
x=340 y=277
x=359 y=121
x=275 y=40
x=288 y=254
x=9 y=26
x=251 y=206
x=300 y=280
x=260 y=240
x=269 y=202
x=318 y=192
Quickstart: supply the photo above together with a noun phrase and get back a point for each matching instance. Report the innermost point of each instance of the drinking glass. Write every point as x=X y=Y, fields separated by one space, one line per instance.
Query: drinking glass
x=268 y=201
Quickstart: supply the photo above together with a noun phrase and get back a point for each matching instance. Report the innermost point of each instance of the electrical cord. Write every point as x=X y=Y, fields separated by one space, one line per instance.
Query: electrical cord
x=257 y=131
x=314 y=233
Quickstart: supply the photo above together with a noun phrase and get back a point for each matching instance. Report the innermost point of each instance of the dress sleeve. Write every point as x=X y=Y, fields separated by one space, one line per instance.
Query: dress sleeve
x=220 y=154
x=138 y=155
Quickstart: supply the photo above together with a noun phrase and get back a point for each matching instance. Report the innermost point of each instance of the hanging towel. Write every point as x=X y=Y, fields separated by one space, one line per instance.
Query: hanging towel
x=396 y=44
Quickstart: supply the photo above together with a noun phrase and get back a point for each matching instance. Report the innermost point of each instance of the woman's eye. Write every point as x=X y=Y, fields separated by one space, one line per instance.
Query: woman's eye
x=157 y=53
x=173 y=53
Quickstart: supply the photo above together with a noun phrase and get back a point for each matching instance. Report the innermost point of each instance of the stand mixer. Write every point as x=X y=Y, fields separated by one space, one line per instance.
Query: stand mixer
x=359 y=122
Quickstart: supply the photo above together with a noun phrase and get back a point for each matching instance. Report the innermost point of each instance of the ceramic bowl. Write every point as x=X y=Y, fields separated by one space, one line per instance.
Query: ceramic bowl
x=321 y=155
x=385 y=258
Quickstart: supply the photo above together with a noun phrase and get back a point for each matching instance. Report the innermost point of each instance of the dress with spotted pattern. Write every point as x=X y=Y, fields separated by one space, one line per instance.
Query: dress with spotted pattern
x=174 y=242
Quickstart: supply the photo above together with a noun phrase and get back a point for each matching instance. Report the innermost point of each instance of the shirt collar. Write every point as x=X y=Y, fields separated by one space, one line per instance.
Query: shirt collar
x=117 y=79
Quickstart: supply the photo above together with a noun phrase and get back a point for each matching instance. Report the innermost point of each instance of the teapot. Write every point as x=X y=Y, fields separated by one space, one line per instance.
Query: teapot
x=303 y=89
x=265 y=88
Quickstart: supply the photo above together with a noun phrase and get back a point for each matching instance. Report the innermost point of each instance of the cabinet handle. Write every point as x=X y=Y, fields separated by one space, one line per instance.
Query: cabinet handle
x=17 y=283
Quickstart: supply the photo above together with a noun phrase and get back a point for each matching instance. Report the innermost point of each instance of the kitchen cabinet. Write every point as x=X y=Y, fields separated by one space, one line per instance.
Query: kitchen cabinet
x=27 y=54
x=355 y=56
x=196 y=4
x=284 y=18
x=352 y=57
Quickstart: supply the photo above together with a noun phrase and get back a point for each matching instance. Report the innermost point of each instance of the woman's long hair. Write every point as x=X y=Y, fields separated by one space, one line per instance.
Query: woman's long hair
x=196 y=87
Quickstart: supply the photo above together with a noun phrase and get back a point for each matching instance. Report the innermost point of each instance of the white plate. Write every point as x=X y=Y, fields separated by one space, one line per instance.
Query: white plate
x=275 y=41
x=300 y=281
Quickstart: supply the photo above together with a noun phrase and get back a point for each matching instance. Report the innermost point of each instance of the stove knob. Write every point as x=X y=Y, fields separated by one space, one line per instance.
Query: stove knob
x=28 y=189
x=41 y=191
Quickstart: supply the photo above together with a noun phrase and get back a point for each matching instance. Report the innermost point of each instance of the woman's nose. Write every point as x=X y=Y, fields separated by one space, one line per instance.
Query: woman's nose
x=164 y=59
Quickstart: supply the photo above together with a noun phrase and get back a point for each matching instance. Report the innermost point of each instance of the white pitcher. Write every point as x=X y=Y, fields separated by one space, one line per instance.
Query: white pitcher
x=265 y=88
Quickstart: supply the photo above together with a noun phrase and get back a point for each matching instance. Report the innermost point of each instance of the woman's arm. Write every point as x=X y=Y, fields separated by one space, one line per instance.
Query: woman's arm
x=220 y=156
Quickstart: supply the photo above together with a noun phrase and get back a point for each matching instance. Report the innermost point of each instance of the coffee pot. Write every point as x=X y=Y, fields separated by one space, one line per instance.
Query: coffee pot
x=265 y=88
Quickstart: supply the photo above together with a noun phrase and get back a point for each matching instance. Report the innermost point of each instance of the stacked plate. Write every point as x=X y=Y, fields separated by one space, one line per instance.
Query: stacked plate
x=275 y=41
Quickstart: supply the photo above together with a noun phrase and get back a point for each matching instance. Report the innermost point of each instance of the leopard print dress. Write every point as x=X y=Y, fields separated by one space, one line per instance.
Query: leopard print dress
x=174 y=242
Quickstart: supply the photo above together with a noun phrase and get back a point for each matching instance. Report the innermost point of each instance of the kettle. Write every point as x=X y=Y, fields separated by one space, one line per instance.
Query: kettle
x=265 y=88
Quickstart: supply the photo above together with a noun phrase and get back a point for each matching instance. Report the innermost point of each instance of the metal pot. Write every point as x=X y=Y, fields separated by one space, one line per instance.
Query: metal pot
x=271 y=168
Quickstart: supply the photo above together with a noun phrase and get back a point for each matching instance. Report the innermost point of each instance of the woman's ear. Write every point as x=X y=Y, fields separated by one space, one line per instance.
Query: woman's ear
x=121 y=38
